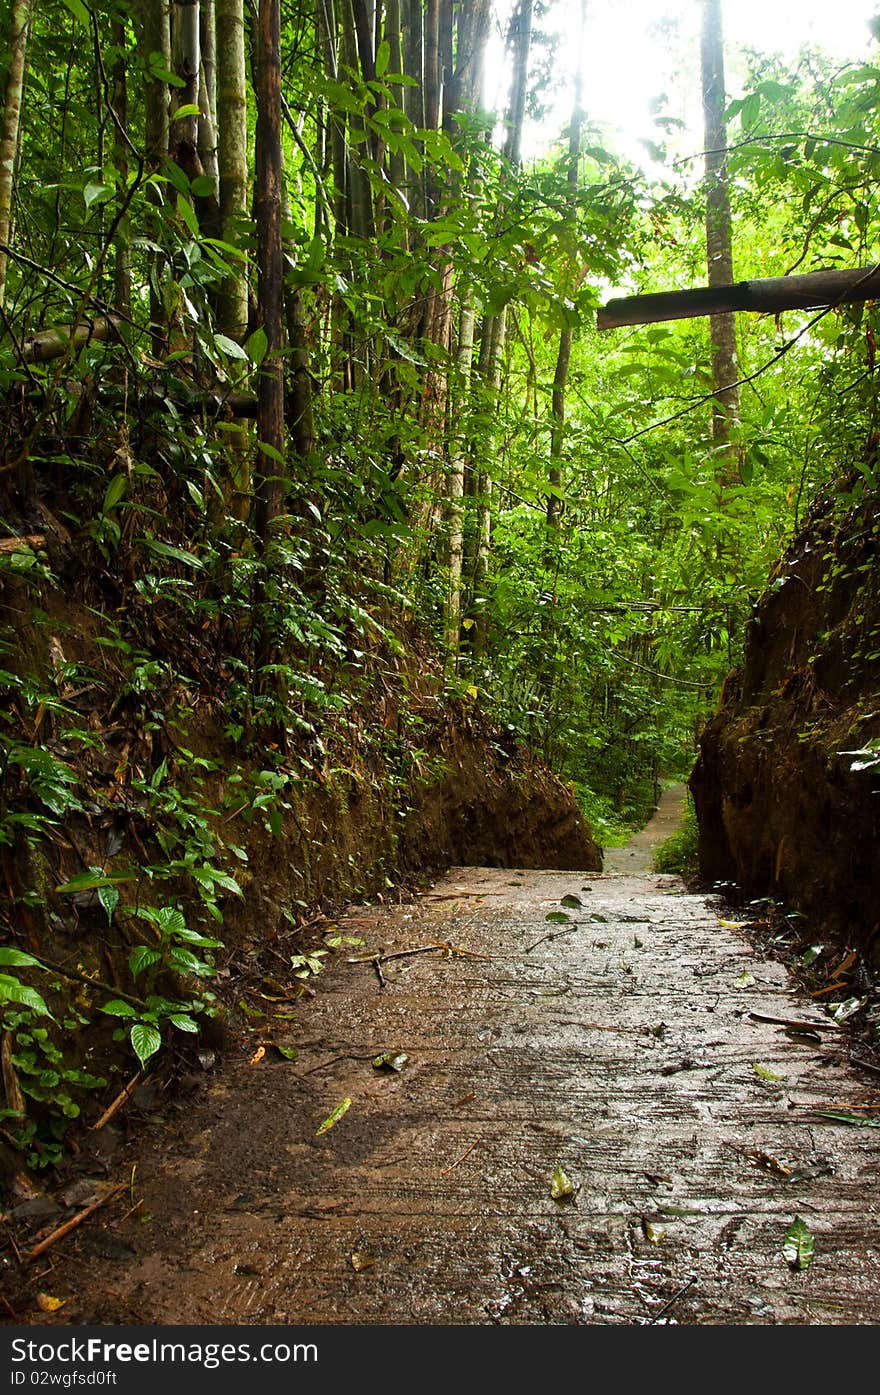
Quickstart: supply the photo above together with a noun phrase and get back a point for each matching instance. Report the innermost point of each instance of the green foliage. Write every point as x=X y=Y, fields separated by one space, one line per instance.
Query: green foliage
x=680 y=852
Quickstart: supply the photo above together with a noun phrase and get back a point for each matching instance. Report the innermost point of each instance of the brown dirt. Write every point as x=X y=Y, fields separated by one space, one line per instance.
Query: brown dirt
x=620 y=1045
x=782 y=811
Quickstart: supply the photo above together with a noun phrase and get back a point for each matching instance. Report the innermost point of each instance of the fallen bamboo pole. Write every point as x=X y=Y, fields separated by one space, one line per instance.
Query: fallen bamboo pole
x=767 y=296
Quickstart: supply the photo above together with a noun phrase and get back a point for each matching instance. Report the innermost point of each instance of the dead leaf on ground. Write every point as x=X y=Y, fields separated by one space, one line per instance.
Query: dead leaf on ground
x=360 y=1261
x=652 y=1232
x=765 y=1073
x=47 y=1304
x=258 y=1055
x=770 y=1164
x=561 y=1185
x=332 y=1119
x=390 y=1060
x=798 y=1245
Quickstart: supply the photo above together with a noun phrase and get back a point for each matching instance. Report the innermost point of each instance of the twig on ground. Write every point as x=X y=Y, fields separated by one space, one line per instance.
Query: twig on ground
x=674 y=1299
x=448 y=1169
x=77 y=1220
x=119 y=1101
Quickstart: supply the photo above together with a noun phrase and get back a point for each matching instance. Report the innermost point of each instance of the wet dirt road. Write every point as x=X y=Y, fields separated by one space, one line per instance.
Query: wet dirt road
x=618 y=1044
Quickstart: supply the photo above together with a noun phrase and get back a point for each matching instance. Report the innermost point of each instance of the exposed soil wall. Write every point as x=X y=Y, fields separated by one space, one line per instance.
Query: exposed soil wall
x=785 y=809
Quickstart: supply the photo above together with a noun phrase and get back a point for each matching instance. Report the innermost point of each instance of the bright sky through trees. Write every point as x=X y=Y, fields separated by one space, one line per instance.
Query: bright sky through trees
x=637 y=51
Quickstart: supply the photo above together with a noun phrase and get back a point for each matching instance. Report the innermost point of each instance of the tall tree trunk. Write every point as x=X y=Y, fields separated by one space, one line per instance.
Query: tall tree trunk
x=19 y=23
x=520 y=43
x=186 y=59
x=154 y=36
x=494 y=330
x=566 y=335
x=208 y=92
x=232 y=158
x=719 y=243
x=122 y=254
x=457 y=467
x=270 y=266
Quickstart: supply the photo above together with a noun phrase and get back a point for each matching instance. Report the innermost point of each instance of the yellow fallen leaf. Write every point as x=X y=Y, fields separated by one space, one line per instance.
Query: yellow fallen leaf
x=47 y=1304
x=334 y=1118
x=258 y=1055
x=360 y=1261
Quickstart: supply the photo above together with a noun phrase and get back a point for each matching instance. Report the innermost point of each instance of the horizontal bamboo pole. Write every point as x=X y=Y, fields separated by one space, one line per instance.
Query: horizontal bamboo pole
x=766 y=296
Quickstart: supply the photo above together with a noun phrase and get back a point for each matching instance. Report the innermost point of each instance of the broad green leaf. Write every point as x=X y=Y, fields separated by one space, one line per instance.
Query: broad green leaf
x=78 y=10
x=383 y=57
x=571 y=901
x=114 y=492
x=558 y=917
x=186 y=213
x=798 y=1245
x=18 y=958
x=183 y=1022
x=109 y=899
x=176 y=554
x=87 y=881
x=257 y=345
x=333 y=1119
x=142 y=958
x=117 y=1007
x=203 y=186
x=97 y=193
x=145 y=1040
x=12 y=991
x=188 y=109
x=561 y=1185
x=229 y=347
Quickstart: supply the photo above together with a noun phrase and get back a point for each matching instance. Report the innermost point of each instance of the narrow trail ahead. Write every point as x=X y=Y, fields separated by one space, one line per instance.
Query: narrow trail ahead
x=620 y=1044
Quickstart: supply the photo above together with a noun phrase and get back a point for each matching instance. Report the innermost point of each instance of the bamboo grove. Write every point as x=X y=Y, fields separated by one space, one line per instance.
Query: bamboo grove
x=282 y=300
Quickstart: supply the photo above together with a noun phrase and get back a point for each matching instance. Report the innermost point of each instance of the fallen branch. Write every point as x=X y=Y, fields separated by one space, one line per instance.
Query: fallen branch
x=77 y=1220
x=674 y=1299
x=556 y=935
x=119 y=1101
x=346 y=1056
x=446 y=1171
x=28 y=540
x=794 y=1022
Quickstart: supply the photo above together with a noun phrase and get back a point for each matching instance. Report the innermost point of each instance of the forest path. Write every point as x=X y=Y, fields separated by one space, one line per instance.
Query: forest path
x=620 y=1045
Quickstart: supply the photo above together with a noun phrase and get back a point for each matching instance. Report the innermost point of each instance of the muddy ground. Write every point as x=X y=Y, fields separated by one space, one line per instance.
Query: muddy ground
x=611 y=1026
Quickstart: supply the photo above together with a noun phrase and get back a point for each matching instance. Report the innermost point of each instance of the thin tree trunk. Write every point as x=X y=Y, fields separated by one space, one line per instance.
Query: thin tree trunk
x=495 y=329
x=186 y=59
x=19 y=23
x=520 y=43
x=232 y=158
x=154 y=36
x=457 y=465
x=719 y=243
x=270 y=264
x=122 y=254
x=563 y=354
x=208 y=92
